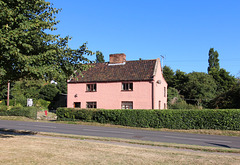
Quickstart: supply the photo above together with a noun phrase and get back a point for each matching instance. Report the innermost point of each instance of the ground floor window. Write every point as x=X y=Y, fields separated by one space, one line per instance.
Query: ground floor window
x=77 y=104
x=91 y=104
x=127 y=105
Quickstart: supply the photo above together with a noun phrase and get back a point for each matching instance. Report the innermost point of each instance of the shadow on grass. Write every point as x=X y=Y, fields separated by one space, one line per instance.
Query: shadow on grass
x=10 y=133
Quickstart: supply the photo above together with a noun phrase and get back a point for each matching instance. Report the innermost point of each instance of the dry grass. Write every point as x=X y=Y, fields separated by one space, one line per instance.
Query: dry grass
x=39 y=150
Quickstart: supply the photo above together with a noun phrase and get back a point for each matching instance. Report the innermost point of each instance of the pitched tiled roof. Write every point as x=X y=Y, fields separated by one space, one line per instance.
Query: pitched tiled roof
x=141 y=70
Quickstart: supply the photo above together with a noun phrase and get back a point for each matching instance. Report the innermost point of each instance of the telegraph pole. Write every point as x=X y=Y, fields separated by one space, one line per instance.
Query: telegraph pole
x=8 y=93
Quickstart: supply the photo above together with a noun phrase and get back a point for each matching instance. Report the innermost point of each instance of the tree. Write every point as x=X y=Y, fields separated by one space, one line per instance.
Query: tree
x=200 y=88
x=223 y=80
x=229 y=99
x=180 y=80
x=27 y=50
x=99 y=57
x=49 y=92
x=213 y=61
x=168 y=75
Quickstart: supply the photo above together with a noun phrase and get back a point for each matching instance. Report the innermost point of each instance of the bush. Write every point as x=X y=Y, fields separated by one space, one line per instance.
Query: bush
x=30 y=112
x=49 y=92
x=172 y=119
x=41 y=103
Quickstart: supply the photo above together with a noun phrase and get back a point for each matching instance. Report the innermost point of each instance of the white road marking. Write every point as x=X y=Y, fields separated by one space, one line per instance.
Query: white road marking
x=220 y=141
x=92 y=130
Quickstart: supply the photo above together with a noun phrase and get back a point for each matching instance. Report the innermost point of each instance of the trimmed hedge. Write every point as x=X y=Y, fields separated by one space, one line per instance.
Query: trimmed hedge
x=30 y=112
x=173 y=119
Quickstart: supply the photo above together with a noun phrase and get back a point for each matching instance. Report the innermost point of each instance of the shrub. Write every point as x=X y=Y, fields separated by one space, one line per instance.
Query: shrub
x=172 y=119
x=41 y=103
x=30 y=112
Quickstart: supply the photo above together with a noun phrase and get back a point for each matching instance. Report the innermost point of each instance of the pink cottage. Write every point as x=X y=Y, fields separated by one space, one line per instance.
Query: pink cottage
x=119 y=84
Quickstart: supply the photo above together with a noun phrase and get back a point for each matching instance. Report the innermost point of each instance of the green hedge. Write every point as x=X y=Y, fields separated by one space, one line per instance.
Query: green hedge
x=30 y=112
x=172 y=119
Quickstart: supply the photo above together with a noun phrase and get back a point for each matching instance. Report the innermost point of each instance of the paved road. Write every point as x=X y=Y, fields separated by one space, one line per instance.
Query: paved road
x=156 y=136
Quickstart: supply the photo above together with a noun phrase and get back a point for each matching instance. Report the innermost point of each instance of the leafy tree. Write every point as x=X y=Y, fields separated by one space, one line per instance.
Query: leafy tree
x=223 y=80
x=181 y=79
x=213 y=61
x=49 y=92
x=168 y=75
x=200 y=88
x=229 y=99
x=99 y=57
x=27 y=50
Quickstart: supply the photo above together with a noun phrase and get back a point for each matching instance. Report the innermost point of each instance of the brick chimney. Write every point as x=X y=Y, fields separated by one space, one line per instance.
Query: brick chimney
x=117 y=58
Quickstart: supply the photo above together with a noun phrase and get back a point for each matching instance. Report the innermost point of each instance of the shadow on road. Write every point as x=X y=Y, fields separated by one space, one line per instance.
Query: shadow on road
x=220 y=145
x=10 y=133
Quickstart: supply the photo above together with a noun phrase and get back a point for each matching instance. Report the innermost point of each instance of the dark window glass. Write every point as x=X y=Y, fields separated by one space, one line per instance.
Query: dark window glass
x=127 y=105
x=91 y=87
x=91 y=104
x=127 y=86
x=77 y=104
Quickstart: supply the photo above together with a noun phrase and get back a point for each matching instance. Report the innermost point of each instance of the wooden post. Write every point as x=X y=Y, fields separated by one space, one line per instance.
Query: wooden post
x=8 y=93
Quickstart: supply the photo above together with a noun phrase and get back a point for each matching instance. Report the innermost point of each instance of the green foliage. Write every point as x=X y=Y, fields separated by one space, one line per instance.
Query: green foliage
x=183 y=105
x=27 y=50
x=200 y=88
x=229 y=99
x=30 y=112
x=223 y=80
x=49 y=92
x=168 y=75
x=62 y=86
x=172 y=119
x=213 y=61
x=41 y=103
x=99 y=57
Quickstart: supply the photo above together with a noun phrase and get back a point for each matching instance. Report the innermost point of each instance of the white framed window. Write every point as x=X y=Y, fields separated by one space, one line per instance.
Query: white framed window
x=127 y=86
x=91 y=105
x=127 y=105
x=91 y=88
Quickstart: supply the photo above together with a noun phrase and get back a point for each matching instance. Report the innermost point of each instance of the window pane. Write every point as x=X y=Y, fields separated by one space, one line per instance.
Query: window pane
x=91 y=87
x=91 y=105
x=127 y=105
x=127 y=86
x=77 y=104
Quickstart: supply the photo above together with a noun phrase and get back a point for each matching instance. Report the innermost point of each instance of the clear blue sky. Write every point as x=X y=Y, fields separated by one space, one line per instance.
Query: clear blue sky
x=181 y=30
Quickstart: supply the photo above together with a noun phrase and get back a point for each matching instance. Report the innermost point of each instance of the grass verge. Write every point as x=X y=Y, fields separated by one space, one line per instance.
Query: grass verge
x=7 y=132
x=41 y=150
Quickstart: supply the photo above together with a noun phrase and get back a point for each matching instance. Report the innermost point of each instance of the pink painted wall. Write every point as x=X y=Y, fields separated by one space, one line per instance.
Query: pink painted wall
x=160 y=101
x=110 y=96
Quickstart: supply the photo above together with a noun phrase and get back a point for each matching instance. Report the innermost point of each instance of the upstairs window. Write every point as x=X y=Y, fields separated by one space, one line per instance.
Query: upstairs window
x=91 y=87
x=91 y=104
x=127 y=86
x=165 y=92
x=127 y=105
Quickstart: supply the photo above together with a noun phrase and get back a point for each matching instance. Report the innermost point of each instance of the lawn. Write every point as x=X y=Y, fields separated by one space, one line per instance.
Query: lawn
x=22 y=149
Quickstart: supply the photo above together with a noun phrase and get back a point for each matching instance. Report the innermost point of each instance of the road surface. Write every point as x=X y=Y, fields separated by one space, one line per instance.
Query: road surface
x=136 y=134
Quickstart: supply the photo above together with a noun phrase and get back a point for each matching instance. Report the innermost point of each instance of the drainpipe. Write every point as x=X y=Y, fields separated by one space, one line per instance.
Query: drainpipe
x=152 y=94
